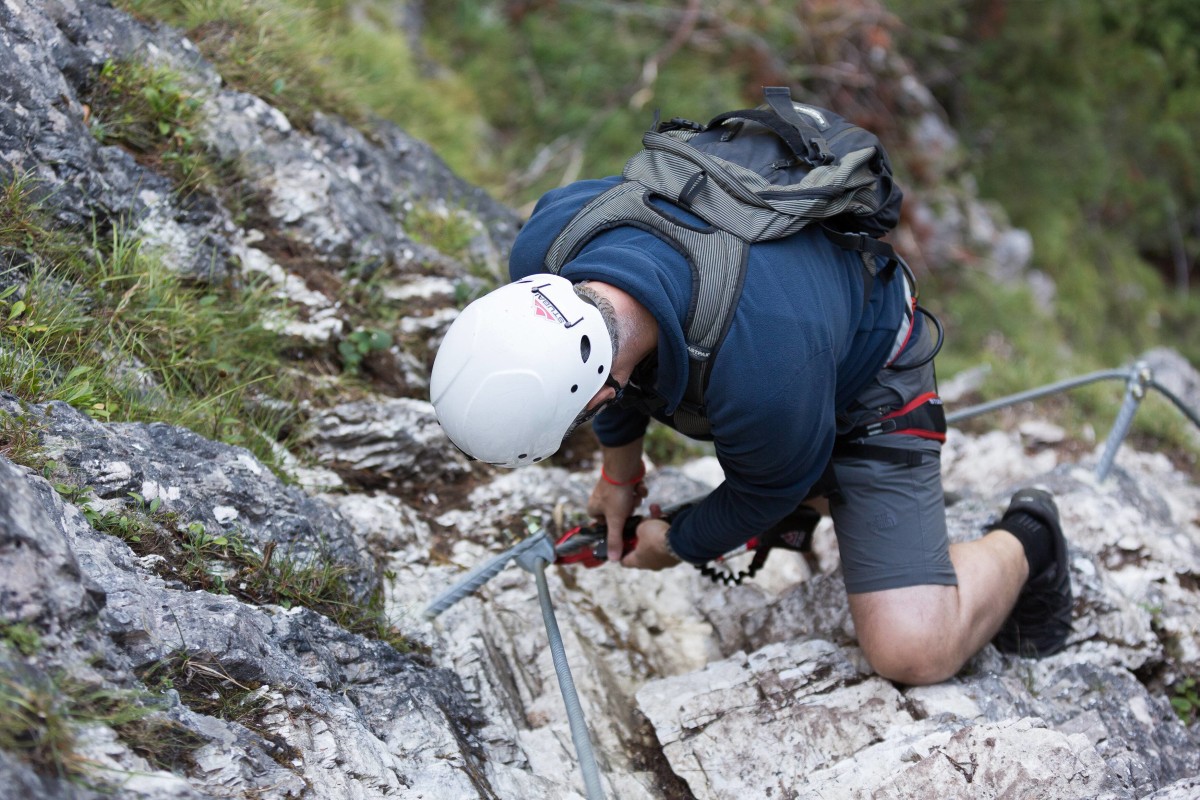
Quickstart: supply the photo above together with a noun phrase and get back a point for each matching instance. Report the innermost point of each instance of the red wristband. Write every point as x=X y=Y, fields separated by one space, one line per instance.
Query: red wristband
x=631 y=482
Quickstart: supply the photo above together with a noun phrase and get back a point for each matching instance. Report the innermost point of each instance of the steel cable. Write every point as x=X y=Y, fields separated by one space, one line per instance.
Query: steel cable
x=579 y=730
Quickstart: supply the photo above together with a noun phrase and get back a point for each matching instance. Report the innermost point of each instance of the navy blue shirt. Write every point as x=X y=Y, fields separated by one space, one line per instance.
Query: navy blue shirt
x=801 y=346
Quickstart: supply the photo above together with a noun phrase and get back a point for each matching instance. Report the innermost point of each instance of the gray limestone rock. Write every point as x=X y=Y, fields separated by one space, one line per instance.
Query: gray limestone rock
x=689 y=688
x=725 y=674
x=341 y=716
x=397 y=439
x=223 y=488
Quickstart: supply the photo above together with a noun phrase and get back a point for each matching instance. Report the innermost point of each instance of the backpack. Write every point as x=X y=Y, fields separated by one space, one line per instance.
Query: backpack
x=753 y=175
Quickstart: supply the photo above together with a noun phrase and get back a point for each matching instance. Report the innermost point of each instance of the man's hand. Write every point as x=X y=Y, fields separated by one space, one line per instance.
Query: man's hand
x=651 y=551
x=618 y=491
x=614 y=504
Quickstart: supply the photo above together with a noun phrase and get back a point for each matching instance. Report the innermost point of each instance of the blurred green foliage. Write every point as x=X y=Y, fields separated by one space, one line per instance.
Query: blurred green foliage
x=563 y=87
x=568 y=87
x=1080 y=119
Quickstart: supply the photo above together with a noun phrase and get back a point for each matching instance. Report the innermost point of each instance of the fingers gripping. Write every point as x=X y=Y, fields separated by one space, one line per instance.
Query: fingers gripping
x=614 y=504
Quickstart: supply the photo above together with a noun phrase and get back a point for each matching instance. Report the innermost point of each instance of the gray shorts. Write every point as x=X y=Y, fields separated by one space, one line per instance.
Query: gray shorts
x=890 y=517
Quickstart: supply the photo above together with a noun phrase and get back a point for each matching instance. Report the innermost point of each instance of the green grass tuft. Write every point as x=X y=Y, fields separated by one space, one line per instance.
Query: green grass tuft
x=109 y=328
x=152 y=113
x=24 y=638
x=41 y=717
x=20 y=440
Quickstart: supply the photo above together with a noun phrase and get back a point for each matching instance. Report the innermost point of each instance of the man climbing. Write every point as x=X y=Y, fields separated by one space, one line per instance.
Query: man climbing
x=822 y=391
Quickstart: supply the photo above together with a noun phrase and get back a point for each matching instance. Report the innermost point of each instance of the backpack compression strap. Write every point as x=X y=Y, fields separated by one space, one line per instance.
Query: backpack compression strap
x=805 y=141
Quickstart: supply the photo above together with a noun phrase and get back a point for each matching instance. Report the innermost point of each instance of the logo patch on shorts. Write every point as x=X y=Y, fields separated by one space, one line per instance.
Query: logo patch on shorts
x=883 y=521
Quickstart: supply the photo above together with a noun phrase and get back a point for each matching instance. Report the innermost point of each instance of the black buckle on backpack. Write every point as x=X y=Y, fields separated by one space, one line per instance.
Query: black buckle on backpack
x=819 y=154
x=678 y=123
x=860 y=243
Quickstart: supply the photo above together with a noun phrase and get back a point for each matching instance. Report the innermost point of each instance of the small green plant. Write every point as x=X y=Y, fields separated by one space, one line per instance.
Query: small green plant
x=1185 y=699
x=20 y=439
x=73 y=493
x=24 y=638
x=150 y=111
x=130 y=524
x=12 y=309
x=129 y=527
x=200 y=552
x=360 y=344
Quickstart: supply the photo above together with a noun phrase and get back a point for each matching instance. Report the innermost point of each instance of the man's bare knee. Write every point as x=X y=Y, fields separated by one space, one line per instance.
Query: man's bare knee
x=912 y=661
x=906 y=634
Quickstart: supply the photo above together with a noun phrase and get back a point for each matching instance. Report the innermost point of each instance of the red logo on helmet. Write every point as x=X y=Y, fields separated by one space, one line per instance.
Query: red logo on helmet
x=546 y=310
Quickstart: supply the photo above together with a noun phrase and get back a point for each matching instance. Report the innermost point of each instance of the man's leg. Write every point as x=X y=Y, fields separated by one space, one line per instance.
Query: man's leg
x=921 y=606
x=924 y=634
x=1012 y=588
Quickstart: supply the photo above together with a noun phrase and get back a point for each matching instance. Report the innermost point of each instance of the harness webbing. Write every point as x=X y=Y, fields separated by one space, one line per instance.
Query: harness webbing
x=923 y=416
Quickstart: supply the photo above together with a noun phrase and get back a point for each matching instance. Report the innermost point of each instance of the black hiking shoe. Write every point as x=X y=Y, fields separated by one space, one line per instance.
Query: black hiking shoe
x=1041 y=620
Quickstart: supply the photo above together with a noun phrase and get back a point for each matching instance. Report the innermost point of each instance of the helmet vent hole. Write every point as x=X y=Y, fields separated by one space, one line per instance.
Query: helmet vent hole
x=585 y=348
x=523 y=455
x=575 y=388
x=600 y=370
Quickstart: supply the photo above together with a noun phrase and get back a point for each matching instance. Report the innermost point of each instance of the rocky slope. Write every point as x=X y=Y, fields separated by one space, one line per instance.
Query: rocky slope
x=690 y=689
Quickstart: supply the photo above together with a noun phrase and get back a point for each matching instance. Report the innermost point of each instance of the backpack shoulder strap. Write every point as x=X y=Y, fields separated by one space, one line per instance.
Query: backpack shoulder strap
x=841 y=179
x=717 y=260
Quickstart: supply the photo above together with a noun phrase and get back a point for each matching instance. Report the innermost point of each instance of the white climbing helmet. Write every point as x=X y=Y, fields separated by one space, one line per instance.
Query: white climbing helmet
x=516 y=369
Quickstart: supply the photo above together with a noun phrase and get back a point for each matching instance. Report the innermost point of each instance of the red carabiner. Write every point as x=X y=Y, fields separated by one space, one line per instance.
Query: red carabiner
x=588 y=545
